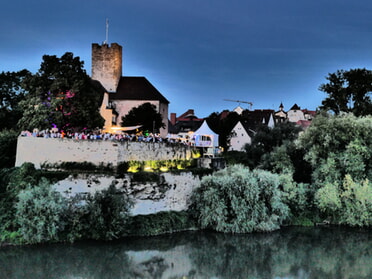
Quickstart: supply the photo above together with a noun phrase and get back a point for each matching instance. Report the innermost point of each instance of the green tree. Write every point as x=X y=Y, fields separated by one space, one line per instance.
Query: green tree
x=239 y=200
x=39 y=213
x=266 y=139
x=349 y=203
x=348 y=91
x=338 y=145
x=12 y=182
x=8 y=148
x=108 y=214
x=145 y=115
x=223 y=126
x=11 y=93
x=61 y=94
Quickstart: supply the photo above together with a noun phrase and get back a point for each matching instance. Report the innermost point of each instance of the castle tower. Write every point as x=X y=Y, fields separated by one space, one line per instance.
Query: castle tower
x=107 y=65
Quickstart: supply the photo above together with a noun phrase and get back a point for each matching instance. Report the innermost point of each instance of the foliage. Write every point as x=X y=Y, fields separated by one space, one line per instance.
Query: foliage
x=80 y=166
x=144 y=177
x=61 y=94
x=39 y=213
x=287 y=158
x=108 y=213
x=157 y=165
x=12 y=181
x=160 y=223
x=76 y=218
x=223 y=126
x=278 y=160
x=266 y=139
x=349 y=203
x=236 y=157
x=299 y=198
x=11 y=92
x=8 y=148
x=145 y=115
x=348 y=91
x=239 y=200
x=338 y=145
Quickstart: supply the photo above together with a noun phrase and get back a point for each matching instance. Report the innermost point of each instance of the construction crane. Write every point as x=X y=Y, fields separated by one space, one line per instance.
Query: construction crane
x=237 y=101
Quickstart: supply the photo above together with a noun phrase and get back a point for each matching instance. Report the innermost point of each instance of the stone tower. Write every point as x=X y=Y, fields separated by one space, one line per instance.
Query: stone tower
x=107 y=65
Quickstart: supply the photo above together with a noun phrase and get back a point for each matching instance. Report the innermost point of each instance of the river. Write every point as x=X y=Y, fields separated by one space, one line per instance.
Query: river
x=319 y=252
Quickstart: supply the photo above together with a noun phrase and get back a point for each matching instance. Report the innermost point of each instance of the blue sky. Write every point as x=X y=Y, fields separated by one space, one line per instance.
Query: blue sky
x=198 y=53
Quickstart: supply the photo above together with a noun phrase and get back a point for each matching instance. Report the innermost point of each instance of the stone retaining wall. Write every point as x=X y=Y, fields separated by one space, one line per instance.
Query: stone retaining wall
x=172 y=194
x=55 y=151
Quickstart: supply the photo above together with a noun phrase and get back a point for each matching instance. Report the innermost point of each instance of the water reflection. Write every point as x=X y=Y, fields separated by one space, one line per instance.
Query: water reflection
x=288 y=253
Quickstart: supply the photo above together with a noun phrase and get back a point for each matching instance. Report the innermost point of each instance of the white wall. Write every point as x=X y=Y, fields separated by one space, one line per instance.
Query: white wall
x=148 y=197
x=55 y=150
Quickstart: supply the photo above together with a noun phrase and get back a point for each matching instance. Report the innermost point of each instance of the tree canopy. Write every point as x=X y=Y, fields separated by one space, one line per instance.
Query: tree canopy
x=61 y=95
x=348 y=91
x=339 y=145
x=223 y=126
x=145 y=115
x=11 y=93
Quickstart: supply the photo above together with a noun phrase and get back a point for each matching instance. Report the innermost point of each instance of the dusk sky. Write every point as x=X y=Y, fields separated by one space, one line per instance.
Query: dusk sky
x=198 y=53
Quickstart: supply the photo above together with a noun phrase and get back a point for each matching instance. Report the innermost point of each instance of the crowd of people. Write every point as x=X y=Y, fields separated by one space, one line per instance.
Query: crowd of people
x=98 y=135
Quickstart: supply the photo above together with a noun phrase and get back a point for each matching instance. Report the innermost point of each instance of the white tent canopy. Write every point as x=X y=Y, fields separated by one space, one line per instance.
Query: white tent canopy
x=205 y=137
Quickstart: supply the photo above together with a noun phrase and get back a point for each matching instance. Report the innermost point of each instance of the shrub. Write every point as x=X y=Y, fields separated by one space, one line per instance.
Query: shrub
x=238 y=200
x=347 y=204
x=298 y=197
x=108 y=213
x=39 y=212
x=8 y=147
x=160 y=223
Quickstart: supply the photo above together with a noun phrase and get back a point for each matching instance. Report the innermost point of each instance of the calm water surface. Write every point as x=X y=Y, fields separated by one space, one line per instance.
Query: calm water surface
x=289 y=253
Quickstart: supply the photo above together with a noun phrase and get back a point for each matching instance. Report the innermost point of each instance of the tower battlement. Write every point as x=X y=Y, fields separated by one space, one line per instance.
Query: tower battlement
x=107 y=65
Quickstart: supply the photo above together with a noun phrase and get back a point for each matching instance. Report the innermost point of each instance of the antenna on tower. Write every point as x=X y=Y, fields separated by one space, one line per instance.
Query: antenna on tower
x=107 y=26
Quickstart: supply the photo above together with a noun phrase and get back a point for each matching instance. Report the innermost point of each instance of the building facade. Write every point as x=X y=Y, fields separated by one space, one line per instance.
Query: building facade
x=123 y=93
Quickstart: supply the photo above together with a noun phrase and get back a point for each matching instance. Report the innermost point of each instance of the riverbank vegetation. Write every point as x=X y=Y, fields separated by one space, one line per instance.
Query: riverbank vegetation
x=336 y=189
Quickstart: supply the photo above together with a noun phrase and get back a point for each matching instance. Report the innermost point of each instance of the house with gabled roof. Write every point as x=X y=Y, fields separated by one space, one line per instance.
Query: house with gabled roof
x=123 y=93
x=240 y=136
x=295 y=114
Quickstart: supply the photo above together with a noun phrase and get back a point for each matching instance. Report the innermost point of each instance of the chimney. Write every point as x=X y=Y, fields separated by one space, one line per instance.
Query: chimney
x=173 y=118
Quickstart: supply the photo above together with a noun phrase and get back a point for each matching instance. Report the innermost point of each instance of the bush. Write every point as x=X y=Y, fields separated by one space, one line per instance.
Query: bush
x=238 y=200
x=298 y=197
x=39 y=212
x=347 y=204
x=338 y=145
x=108 y=214
x=160 y=223
x=8 y=148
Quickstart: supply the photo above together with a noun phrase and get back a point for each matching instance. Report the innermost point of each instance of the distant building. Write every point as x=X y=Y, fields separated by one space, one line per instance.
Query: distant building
x=295 y=114
x=280 y=115
x=239 y=137
x=123 y=93
x=184 y=123
x=182 y=128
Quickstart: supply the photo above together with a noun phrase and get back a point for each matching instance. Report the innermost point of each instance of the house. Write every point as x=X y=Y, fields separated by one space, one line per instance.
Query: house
x=123 y=93
x=295 y=114
x=280 y=115
x=186 y=122
x=239 y=137
x=244 y=130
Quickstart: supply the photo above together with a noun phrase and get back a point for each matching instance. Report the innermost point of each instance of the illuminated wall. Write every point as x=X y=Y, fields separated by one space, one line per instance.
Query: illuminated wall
x=55 y=151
